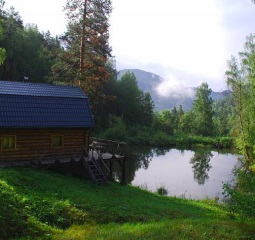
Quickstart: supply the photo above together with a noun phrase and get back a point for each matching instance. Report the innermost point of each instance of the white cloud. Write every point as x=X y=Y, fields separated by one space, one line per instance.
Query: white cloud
x=176 y=88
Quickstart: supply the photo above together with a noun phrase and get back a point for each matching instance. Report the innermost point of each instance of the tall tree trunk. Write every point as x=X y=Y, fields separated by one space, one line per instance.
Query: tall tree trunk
x=82 y=46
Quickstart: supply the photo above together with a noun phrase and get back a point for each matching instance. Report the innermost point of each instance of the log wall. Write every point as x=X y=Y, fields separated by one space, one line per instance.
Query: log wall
x=34 y=144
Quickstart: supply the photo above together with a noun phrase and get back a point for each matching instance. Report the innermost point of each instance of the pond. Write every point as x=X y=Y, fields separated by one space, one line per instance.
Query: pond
x=195 y=174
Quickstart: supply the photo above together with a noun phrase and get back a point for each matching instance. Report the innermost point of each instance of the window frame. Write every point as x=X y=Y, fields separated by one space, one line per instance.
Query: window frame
x=57 y=136
x=9 y=136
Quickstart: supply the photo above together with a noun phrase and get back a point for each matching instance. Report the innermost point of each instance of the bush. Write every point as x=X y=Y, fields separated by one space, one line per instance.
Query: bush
x=162 y=191
x=242 y=196
x=116 y=131
x=162 y=139
x=12 y=217
x=56 y=213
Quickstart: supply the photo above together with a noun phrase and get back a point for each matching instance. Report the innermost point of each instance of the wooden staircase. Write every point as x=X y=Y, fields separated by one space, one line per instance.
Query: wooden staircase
x=98 y=154
x=95 y=171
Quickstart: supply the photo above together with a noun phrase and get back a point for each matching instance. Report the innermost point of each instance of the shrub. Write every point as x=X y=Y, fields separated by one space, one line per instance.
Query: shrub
x=242 y=195
x=56 y=212
x=116 y=131
x=162 y=191
x=12 y=217
x=162 y=139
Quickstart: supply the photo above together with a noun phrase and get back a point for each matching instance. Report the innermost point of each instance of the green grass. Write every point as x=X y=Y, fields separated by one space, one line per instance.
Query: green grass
x=175 y=229
x=47 y=205
x=164 y=140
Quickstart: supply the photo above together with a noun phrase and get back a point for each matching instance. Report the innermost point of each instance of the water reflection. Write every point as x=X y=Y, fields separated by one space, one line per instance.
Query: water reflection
x=138 y=157
x=201 y=166
x=160 y=151
x=197 y=174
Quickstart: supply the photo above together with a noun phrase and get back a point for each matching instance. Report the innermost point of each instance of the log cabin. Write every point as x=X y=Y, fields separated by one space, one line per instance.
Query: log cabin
x=43 y=122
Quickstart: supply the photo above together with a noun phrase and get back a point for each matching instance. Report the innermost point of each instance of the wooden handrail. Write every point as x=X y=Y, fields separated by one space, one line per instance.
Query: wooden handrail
x=106 y=140
x=112 y=146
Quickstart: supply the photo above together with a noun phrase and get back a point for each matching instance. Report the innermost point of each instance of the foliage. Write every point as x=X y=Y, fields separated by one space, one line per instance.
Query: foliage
x=242 y=82
x=14 y=218
x=85 y=50
x=116 y=129
x=241 y=79
x=38 y=204
x=168 y=121
x=2 y=55
x=224 y=116
x=162 y=191
x=242 y=195
x=25 y=55
x=2 y=50
x=132 y=104
x=186 y=124
x=175 y=229
x=202 y=108
x=148 y=136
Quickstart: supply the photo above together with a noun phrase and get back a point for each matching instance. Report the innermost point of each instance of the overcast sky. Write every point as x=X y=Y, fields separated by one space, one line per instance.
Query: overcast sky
x=187 y=42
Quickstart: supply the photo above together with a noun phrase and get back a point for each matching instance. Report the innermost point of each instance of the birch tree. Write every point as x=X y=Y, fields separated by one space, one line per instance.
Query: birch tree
x=241 y=80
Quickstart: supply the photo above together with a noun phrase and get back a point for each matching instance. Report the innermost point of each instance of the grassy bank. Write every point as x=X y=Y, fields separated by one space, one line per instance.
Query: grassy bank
x=47 y=205
x=150 y=137
x=163 y=140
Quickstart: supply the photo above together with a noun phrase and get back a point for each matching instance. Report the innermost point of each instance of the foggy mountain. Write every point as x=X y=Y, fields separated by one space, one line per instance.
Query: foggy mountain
x=163 y=94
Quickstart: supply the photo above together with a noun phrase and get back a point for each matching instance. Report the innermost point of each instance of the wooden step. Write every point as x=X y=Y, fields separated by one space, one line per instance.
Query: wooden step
x=97 y=172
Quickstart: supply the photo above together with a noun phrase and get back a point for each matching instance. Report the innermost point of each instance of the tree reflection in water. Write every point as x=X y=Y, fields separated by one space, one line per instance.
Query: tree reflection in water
x=138 y=157
x=200 y=173
x=201 y=166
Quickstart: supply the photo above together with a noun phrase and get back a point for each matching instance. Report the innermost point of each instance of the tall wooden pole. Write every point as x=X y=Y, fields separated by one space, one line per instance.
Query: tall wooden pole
x=123 y=173
x=82 y=46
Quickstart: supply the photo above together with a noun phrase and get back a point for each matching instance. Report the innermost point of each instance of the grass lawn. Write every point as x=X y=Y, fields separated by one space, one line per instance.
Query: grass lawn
x=37 y=204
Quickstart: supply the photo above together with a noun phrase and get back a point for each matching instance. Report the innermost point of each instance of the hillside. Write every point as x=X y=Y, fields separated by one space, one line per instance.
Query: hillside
x=37 y=204
x=149 y=82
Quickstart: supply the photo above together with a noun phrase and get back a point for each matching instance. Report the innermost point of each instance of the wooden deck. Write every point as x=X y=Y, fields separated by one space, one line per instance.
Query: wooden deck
x=61 y=160
x=102 y=153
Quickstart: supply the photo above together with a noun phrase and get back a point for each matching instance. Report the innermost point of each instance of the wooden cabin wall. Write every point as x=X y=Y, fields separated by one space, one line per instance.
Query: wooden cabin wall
x=33 y=144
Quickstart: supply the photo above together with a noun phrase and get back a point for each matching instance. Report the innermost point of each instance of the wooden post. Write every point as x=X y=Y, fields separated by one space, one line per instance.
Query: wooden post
x=110 y=174
x=123 y=173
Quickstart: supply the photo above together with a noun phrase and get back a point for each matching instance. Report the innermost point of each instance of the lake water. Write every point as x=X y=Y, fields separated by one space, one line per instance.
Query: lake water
x=184 y=173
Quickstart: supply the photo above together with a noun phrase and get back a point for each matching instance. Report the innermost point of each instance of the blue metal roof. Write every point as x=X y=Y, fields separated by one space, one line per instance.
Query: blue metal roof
x=29 y=105
x=40 y=89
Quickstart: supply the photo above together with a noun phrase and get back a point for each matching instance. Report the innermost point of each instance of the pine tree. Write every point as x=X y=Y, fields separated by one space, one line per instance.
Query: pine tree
x=85 y=48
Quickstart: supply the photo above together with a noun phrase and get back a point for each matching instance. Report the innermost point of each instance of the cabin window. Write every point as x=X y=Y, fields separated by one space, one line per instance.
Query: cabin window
x=56 y=141
x=8 y=142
